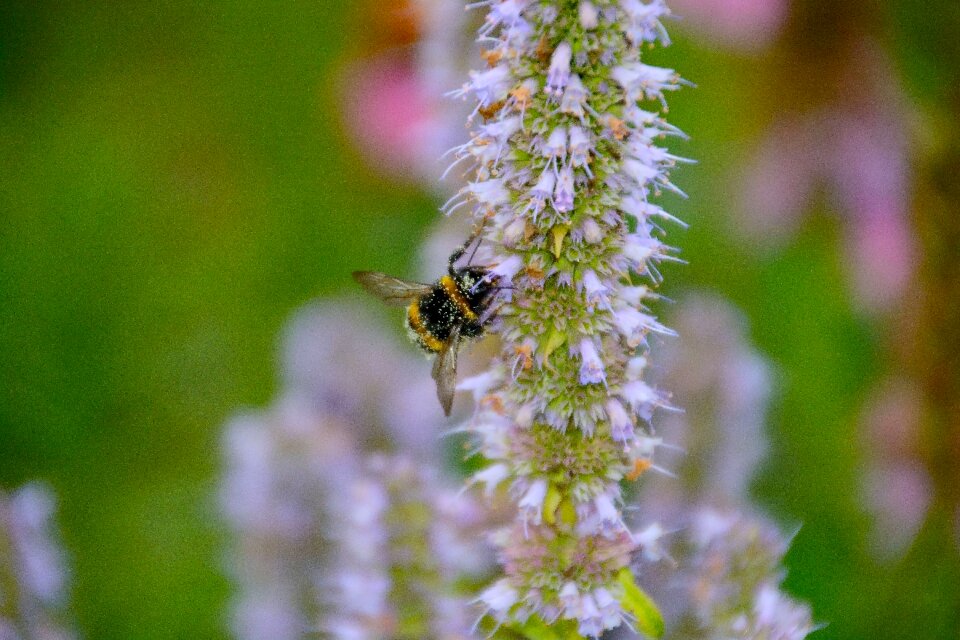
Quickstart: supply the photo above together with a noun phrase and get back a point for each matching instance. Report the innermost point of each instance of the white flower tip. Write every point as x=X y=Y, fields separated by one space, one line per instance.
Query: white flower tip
x=588 y=15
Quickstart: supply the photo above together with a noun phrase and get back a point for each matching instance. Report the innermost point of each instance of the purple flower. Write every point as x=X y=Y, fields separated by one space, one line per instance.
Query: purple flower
x=574 y=100
x=563 y=194
x=591 y=366
x=33 y=574
x=559 y=73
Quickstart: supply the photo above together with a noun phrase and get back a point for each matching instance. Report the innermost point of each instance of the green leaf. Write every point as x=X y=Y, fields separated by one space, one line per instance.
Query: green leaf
x=550 y=504
x=554 y=340
x=536 y=629
x=559 y=232
x=635 y=600
x=567 y=512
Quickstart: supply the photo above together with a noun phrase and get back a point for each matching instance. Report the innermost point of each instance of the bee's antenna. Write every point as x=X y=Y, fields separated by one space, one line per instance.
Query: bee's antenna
x=474 y=252
x=476 y=234
x=462 y=249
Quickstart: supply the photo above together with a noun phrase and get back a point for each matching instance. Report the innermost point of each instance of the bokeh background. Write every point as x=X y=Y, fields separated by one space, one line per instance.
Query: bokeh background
x=177 y=178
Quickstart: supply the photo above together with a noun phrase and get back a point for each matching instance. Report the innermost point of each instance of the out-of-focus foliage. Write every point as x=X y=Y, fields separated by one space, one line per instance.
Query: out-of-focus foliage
x=174 y=182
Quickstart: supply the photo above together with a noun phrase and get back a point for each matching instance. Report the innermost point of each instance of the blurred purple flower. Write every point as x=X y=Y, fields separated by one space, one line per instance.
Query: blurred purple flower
x=278 y=464
x=337 y=359
x=33 y=575
x=716 y=568
x=401 y=539
x=857 y=147
x=732 y=580
x=331 y=535
x=722 y=385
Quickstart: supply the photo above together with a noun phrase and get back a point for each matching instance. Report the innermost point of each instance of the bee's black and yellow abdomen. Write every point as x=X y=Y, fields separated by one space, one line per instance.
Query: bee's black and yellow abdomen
x=452 y=302
x=459 y=297
x=419 y=331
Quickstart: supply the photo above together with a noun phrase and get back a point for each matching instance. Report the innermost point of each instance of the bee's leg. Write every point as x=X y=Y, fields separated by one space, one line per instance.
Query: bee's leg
x=491 y=307
x=504 y=288
x=488 y=314
x=456 y=255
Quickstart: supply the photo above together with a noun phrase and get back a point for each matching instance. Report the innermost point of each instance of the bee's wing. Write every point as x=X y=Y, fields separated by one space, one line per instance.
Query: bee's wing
x=393 y=291
x=445 y=370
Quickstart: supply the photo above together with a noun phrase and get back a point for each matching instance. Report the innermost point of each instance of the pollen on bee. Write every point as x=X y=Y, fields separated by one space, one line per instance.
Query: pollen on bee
x=640 y=465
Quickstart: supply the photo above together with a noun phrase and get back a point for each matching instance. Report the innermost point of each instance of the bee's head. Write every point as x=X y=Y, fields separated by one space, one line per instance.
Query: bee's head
x=476 y=282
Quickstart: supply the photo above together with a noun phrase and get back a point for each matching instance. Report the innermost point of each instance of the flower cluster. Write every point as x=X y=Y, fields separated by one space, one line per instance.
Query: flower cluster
x=731 y=588
x=565 y=160
x=402 y=540
x=716 y=566
x=335 y=532
x=342 y=535
x=33 y=577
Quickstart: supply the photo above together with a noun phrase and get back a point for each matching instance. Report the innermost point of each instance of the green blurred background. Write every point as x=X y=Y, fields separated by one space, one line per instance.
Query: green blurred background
x=175 y=181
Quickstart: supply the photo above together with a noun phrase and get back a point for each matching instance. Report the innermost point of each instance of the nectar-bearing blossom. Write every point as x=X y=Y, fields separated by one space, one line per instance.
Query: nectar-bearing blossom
x=563 y=163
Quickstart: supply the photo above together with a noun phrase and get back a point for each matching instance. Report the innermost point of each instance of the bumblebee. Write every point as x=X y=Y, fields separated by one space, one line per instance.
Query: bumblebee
x=441 y=314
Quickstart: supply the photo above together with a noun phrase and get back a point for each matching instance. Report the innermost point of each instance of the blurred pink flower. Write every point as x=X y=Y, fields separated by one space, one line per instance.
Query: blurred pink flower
x=395 y=105
x=390 y=116
x=897 y=488
x=883 y=258
x=856 y=147
x=747 y=25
